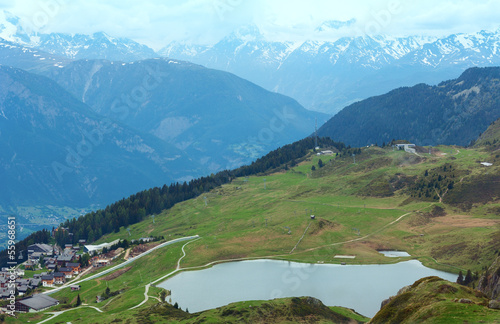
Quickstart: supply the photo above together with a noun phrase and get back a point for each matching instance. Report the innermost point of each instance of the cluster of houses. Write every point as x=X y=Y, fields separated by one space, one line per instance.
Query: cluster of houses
x=59 y=277
x=22 y=285
x=60 y=266
x=51 y=255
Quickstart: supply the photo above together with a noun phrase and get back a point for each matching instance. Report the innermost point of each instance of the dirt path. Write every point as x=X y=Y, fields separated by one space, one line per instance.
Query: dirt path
x=288 y=254
x=126 y=254
x=55 y=314
x=300 y=239
x=337 y=205
x=100 y=274
x=177 y=268
x=146 y=297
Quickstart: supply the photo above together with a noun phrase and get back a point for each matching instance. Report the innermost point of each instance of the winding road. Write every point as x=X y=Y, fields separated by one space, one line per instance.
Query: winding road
x=178 y=267
x=55 y=314
x=100 y=274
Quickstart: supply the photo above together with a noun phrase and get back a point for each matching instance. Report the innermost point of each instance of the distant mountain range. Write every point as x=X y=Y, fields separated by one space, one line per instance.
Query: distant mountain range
x=165 y=110
x=77 y=46
x=454 y=112
x=56 y=150
x=215 y=117
x=325 y=73
x=328 y=75
x=109 y=129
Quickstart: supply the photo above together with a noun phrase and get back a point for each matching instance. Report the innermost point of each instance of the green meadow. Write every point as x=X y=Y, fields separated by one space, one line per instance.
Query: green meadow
x=359 y=208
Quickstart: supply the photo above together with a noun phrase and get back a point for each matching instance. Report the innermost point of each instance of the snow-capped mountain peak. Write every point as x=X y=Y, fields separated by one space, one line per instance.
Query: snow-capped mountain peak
x=11 y=29
x=77 y=46
x=332 y=25
x=327 y=74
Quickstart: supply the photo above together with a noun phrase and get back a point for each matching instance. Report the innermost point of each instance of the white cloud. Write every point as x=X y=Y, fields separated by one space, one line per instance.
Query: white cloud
x=157 y=22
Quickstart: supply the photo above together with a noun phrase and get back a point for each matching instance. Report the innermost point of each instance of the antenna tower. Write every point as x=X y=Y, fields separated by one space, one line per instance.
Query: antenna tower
x=316 y=133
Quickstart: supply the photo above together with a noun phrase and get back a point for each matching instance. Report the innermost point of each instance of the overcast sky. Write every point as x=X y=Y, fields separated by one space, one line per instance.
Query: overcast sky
x=158 y=22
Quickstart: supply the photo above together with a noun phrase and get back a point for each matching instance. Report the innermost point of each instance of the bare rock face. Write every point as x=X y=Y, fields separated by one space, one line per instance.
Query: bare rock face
x=494 y=304
x=401 y=291
x=465 y=301
x=489 y=282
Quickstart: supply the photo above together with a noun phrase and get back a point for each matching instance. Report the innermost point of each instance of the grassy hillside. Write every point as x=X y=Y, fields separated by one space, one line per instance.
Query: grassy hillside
x=368 y=196
x=435 y=300
x=491 y=137
x=359 y=209
x=285 y=310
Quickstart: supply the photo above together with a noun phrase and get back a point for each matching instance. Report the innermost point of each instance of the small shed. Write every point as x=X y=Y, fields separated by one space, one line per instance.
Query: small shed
x=75 y=287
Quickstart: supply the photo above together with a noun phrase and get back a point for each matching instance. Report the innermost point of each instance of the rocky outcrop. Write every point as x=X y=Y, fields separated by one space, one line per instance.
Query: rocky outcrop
x=489 y=282
x=494 y=304
x=424 y=301
x=401 y=291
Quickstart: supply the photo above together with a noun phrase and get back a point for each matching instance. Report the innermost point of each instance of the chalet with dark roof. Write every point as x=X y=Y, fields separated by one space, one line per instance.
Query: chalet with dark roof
x=22 y=289
x=63 y=259
x=59 y=278
x=34 y=282
x=68 y=272
x=48 y=280
x=74 y=266
x=42 y=248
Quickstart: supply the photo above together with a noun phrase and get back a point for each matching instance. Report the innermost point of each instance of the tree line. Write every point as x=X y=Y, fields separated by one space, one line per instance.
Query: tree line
x=137 y=207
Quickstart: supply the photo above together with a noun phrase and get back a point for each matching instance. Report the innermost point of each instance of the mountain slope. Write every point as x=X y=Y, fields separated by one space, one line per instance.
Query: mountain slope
x=26 y=58
x=214 y=116
x=491 y=137
x=285 y=310
x=435 y=300
x=56 y=150
x=454 y=112
x=328 y=72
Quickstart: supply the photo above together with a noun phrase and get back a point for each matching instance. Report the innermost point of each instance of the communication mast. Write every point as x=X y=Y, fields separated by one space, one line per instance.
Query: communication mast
x=315 y=132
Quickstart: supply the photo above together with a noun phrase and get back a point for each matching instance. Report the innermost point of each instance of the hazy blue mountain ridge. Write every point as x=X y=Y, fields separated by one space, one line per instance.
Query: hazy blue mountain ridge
x=454 y=112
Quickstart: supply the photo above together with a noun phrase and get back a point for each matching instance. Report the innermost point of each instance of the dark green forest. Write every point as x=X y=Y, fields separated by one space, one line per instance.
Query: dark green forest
x=454 y=112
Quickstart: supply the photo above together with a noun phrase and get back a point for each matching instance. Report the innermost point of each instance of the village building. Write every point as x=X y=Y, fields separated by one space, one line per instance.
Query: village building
x=75 y=267
x=96 y=262
x=64 y=258
x=5 y=293
x=75 y=287
x=59 y=278
x=21 y=290
x=48 y=280
x=98 y=248
x=35 y=303
x=41 y=248
x=68 y=272
x=34 y=282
